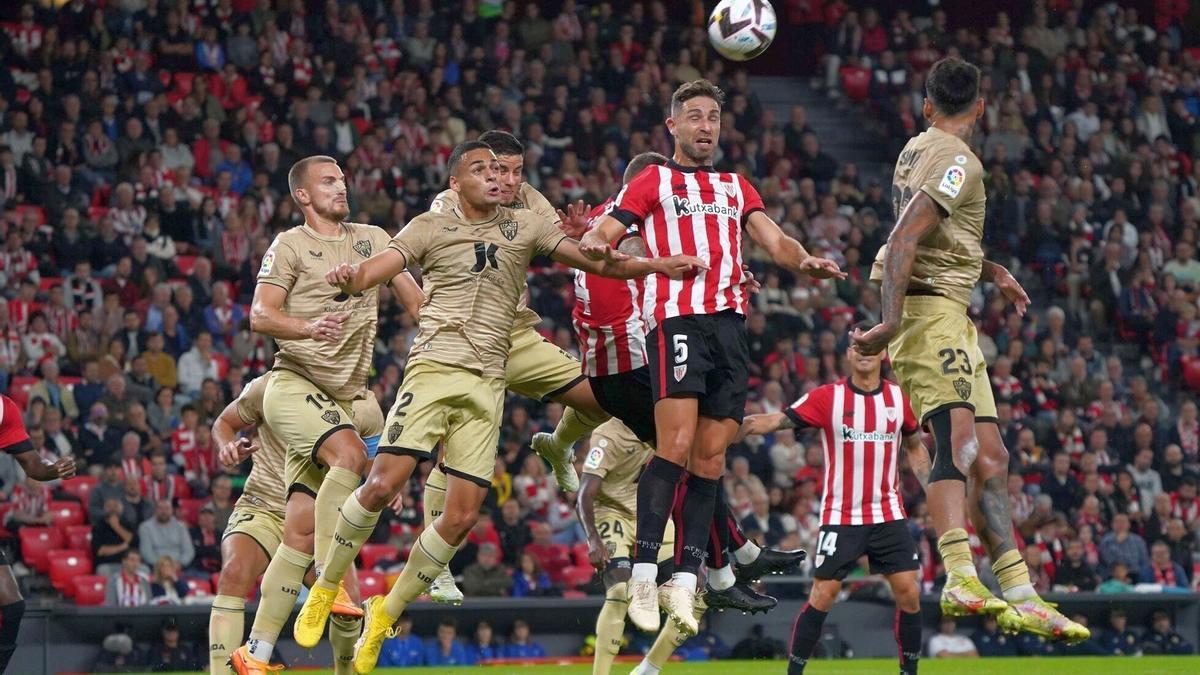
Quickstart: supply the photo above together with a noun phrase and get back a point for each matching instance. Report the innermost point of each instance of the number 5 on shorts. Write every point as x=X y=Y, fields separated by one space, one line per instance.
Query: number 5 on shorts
x=681 y=350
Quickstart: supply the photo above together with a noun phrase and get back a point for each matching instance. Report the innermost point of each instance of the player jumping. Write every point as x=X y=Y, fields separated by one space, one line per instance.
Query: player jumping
x=697 y=346
x=928 y=268
x=863 y=420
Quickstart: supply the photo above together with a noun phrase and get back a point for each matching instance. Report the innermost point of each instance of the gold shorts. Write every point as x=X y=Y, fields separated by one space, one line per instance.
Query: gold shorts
x=263 y=526
x=538 y=369
x=460 y=408
x=618 y=532
x=937 y=359
x=303 y=416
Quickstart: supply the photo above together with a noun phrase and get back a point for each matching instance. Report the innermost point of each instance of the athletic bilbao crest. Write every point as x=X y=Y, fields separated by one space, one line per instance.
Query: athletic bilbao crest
x=363 y=247
x=818 y=560
x=680 y=371
x=508 y=228
x=963 y=387
x=394 y=431
x=332 y=417
x=892 y=414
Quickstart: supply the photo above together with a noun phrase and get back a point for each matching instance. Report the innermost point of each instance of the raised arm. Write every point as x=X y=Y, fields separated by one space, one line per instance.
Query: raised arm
x=920 y=216
x=753 y=425
x=596 y=244
x=786 y=251
x=585 y=509
x=619 y=265
x=267 y=318
x=381 y=268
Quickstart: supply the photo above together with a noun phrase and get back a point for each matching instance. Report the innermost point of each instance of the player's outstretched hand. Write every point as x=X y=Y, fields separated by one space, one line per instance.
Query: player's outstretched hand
x=677 y=266
x=1012 y=291
x=749 y=281
x=597 y=554
x=822 y=268
x=574 y=223
x=873 y=341
x=235 y=452
x=328 y=328
x=341 y=275
x=64 y=468
x=595 y=248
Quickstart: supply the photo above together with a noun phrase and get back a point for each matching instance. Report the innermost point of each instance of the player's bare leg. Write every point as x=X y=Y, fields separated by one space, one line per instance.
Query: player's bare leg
x=443 y=589
x=243 y=560
x=964 y=593
x=675 y=423
x=359 y=513
x=12 y=610
x=581 y=416
x=432 y=552
x=990 y=515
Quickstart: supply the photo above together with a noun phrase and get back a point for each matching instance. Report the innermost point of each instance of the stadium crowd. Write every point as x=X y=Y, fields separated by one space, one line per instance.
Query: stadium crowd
x=144 y=148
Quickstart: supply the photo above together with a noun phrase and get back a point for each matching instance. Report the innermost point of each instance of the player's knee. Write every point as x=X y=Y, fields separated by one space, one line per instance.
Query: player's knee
x=908 y=598
x=375 y=493
x=457 y=521
x=707 y=466
x=235 y=578
x=676 y=444
x=824 y=593
x=355 y=461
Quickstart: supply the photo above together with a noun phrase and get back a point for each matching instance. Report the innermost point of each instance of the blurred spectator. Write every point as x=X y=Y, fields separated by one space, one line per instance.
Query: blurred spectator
x=514 y=531
x=405 y=650
x=129 y=586
x=206 y=541
x=529 y=579
x=1121 y=546
x=521 y=645
x=484 y=646
x=166 y=588
x=550 y=556
x=171 y=654
x=197 y=365
x=946 y=643
x=1074 y=573
x=1119 y=639
x=445 y=649
x=1162 y=638
x=164 y=535
x=1160 y=569
x=30 y=506
x=763 y=521
x=222 y=502
x=989 y=640
x=486 y=577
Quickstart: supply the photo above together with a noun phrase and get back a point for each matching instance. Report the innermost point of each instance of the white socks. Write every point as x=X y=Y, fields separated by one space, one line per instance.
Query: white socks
x=1020 y=592
x=721 y=578
x=261 y=650
x=747 y=553
x=644 y=572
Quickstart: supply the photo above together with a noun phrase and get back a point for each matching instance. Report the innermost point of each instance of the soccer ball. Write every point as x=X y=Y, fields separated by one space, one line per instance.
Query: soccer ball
x=741 y=29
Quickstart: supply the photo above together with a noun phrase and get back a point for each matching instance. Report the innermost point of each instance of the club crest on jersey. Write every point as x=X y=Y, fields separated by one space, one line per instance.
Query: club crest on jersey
x=394 y=431
x=331 y=416
x=892 y=414
x=684 y=207
x=963 y=387
x=680 y=371
x=363 y=247
x=818 y=560
x=952 y=181
x=508 y=228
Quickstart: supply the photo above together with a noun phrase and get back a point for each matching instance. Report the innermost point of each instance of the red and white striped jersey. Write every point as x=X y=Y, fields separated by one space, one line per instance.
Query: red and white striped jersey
x=607 y=317
x=1185 y=509
x=861 y=437
x=13 y=437
x=690 y=211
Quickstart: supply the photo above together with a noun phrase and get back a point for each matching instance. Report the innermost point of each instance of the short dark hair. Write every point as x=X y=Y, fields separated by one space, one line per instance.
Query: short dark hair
x=696 y=88
x=952 y=85
x=640 y=162
x=299 y=170
x=461 y=149
x=502 y=143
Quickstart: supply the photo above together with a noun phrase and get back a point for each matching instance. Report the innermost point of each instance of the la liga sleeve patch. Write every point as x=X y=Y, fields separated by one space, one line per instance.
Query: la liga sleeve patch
x=594 y=458
x=952 y=181
x=268 y=262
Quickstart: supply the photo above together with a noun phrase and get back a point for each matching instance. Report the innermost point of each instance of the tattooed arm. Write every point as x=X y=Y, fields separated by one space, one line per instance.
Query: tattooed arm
x=921 y=215
x=918 y=458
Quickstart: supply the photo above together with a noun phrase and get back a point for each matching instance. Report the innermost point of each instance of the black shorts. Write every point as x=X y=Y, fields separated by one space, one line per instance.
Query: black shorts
x=889 y=548
x=705 y=355
x=627 y=396
x=4 y=557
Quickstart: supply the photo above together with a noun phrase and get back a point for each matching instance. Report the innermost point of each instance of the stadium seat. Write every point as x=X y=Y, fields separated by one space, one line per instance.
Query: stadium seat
x=371 y=583
x=36 y=542
x=79 y=537
x=577 y=575
x=579 y=554
x=49 y=282
x=198 y=587
x=26 y=208
x=189 y=511
x=89 y=590
x=67 y=513
x=856 y=82
x=185 y=264
x=370 y=554
x=18 y=389
x=80 y=487
x=65 y=566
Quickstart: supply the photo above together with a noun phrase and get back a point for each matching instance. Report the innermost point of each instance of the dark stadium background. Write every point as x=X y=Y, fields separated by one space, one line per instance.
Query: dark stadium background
x=1133 y=302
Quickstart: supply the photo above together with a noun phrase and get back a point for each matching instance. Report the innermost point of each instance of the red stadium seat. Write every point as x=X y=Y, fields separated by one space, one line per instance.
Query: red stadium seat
x=199 y=587
x=67 y=513
x=1191 y=374
x=856 y=82
x=579 y=554
x=370 y=554
x=25 y=208
x=185 y=263
x=189 y=511
x=89 y=590
x=18 y=389
x=79 y=537
x=80 y=487
x=577 y=575
x=371 y=584
x=49 y=282
x=36 y=543
x=65 y=566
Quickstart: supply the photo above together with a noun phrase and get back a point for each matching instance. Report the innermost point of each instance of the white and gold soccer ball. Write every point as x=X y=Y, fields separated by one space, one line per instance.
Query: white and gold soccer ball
x=741 y=29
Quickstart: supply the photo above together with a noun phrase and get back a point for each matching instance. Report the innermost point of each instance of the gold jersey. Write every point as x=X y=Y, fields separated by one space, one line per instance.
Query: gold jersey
x=297 y=262
x=617 y=457
x=265 y=486
x=949 y=257
x=474 y=278
x=527 y=198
